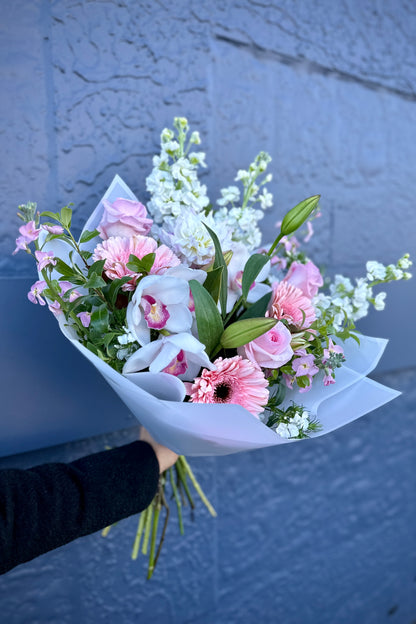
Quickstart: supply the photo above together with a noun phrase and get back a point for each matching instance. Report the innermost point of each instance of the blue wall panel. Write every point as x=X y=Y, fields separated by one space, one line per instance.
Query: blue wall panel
x=321 y=531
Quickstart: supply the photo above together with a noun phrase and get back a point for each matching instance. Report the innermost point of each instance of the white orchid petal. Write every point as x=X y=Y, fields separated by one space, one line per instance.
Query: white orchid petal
x=180 y=319
x=164 y=357
x=257 y=292
x=182 y=272
x=142 y=357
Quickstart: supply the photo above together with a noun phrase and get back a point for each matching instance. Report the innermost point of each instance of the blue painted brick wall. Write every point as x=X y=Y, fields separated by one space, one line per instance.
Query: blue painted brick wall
x=318 y=532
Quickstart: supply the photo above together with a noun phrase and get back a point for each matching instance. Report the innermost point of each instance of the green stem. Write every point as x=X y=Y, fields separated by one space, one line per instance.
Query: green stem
x=148 y=525
x=136 y=545
x=162 y=539
x=234 y=309
x=182 y=477
x=77 y=249
x=106 y=531
x=197 y=487
x=156 y=515
x=177 y=500
x=273 y=247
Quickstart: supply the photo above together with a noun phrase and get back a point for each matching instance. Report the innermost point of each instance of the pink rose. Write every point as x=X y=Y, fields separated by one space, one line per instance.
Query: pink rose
x=307 y=277
x=271 y=350
x=124 y=218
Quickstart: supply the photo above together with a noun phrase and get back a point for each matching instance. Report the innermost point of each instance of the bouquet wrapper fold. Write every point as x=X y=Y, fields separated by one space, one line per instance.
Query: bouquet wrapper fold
x=196 y=429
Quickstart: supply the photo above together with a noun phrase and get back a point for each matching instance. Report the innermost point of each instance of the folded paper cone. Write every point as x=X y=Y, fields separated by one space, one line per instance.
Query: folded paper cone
x=197 y=429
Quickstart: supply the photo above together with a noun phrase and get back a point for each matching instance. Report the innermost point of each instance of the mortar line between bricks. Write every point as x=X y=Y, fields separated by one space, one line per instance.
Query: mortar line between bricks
x=314 y=67
x=50 y=113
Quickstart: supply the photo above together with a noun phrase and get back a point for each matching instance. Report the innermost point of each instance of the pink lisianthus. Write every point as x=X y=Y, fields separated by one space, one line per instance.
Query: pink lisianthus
x=271 y=350
x=304 y=366
x=55 y=308
x=53 y=229
x=29 y=233
x=235 y=380
x=65 y=286
x=306 y=277
x=332 y=348
x=85 y=318
x=35 y=292
x=328 y=377
x=44 y=259
x=289 y=380
x=116 y=252
x=125 y=218
x=288 y=302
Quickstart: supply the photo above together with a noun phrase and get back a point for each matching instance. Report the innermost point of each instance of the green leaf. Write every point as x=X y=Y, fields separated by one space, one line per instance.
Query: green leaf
x=66 y=217
x=251 y=270
x=99 y=320
x=63 y=268
x=95 y=281
x=241 y=332
x=141 y=265
x=258 y=308
x=208 y=319
x=75 y=279
x=219 y=261
x=52 y=215
x=92 y=347
x=303 y=381
x=87 y=235
x=112 y=289
x=213 y=282
x=97 y=268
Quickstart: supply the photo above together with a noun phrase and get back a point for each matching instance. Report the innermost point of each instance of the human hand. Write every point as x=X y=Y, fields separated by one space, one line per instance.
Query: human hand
x=165 y=456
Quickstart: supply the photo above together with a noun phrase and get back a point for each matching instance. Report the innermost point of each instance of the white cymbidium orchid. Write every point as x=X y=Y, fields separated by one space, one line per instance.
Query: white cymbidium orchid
x=235 y=275
x=162 y=302
x=181 y=355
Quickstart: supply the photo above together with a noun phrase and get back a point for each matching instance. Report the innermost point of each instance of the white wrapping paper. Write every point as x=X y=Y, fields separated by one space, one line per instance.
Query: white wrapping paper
x=192 y=429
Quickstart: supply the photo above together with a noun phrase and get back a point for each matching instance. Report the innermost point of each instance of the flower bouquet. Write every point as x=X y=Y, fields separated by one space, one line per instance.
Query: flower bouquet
x=216 y=343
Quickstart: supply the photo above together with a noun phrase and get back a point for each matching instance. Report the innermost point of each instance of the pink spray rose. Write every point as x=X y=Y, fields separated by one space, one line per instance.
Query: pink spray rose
x=306 y=277
x=124 y=217
x=271 y=350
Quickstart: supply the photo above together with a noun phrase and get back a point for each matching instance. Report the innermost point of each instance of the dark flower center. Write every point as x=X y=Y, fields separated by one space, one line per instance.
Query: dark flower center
x=222 y=392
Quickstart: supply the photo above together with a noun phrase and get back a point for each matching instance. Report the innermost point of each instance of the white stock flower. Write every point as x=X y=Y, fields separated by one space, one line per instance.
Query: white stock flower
x=190 y=240
x=375 y=270
x=266 y=200
x=242 y=175
x=242 y=222
x=404 y=262
x=341 y=284
x=175 y=188
x=229 y=195
x=379 y=302
x=396 y=273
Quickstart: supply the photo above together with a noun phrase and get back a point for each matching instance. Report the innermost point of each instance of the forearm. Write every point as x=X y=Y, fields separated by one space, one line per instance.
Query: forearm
x=50 y=505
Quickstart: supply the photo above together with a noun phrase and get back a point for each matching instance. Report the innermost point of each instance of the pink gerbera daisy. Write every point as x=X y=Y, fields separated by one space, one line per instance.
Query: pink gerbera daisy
x=116 y=252
x=235 y=380
x=288 y=302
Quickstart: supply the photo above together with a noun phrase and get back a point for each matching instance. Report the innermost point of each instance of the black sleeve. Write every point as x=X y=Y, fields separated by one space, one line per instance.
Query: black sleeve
x=50 y=505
